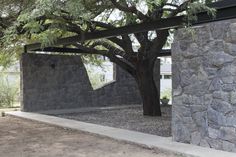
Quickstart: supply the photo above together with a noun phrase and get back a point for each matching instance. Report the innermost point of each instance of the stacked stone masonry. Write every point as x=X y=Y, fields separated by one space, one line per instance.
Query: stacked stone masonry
x=204 y=85
x=50 y=82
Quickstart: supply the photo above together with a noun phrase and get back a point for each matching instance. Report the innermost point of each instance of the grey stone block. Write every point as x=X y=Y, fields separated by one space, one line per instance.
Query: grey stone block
x=231 y=33
x=204 y=143
x=228 y=146
x=213 y=133
x=230 y=49
x=228 y=134
x=221 y=106
x=195 y=138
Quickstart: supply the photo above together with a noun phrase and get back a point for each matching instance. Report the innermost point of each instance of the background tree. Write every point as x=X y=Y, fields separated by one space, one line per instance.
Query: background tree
x=48 y=20
x=10 y=41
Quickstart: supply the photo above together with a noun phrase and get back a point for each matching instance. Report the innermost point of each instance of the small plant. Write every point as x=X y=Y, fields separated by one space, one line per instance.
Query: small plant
x=165 y=100
x=166 y=93
x=165 y=97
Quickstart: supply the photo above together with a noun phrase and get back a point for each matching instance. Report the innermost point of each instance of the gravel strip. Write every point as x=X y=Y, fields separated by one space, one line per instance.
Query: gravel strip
x=129 y=118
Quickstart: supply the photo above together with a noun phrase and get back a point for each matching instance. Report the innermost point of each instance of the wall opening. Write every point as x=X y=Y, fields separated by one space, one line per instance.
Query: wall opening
x=102 y=75
x=166 y=78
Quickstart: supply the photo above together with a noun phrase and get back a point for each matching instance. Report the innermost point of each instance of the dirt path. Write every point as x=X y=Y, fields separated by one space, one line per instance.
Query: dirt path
x=24 y=138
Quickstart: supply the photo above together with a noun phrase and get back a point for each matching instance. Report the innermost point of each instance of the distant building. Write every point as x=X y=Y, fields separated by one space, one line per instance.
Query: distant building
x=166 y=75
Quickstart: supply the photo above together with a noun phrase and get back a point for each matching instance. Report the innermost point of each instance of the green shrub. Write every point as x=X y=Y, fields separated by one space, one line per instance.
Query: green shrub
x=166 y=93
x=8 y=93
x=165 y=97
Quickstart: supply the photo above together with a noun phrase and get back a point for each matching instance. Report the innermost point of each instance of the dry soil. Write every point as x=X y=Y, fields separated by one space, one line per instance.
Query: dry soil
x=25 y=138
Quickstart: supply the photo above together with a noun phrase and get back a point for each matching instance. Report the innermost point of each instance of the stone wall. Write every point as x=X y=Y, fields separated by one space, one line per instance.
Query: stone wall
x=53 y=82
x=61 y=82
x=204 y=86
x=123 y=90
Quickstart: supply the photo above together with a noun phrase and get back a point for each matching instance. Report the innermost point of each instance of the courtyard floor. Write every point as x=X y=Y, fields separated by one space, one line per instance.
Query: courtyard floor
x=127 y=118
x=25 y=138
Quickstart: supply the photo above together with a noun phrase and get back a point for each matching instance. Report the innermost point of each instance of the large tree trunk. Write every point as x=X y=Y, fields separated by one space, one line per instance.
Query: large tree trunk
x=148 y=89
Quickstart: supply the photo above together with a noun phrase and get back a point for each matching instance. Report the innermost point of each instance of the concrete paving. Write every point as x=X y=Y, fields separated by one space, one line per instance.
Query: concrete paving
x=147 y=140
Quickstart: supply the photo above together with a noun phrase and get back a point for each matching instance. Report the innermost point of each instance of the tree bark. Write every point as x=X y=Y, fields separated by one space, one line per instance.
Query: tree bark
x=148 y=89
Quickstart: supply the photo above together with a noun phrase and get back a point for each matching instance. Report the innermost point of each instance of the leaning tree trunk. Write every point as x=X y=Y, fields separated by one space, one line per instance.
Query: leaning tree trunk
x=148 y=89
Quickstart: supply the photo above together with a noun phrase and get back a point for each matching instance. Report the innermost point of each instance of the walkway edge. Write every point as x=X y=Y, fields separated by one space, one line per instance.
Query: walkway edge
x=151 y=141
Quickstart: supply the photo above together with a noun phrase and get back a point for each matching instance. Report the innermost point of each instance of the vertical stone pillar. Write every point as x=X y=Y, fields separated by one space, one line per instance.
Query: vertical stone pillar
x=204 y=86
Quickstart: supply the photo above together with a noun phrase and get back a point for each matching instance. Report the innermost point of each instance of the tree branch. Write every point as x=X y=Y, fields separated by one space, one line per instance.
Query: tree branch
x=168 y=9
x=117 y=52
x=144 y=42
x=124 y=65
x=180 y=8
x=172 y=5
x=162 y=35
x=88 y=50
x=110 y=54
x=125 y=43
x=128 y=44
x=131 y=9
x=102 y=24
x=112 y=49
x=158 y=43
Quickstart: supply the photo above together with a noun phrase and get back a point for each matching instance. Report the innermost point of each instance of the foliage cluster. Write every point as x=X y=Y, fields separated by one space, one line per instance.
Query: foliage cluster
x=9 y=93
x=24 y=22
x=166 y=94
x=47 y=20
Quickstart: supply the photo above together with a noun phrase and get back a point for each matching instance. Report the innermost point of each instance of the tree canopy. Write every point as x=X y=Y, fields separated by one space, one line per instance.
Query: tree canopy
x=10 y=40
x=47 y=20
x=28 y=21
